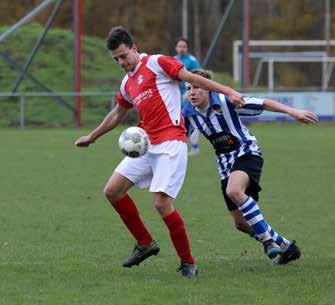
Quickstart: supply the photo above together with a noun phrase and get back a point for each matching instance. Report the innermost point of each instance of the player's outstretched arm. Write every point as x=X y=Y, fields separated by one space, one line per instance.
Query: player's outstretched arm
x=110 y=121
x=303 y=116
x=207 y=84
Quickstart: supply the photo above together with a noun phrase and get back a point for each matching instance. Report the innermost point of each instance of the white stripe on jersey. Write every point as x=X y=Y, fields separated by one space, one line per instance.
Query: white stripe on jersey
x=227 y=117
x=154 y=66
x=204 y=128
x=253 y=100
x=164 y=84
x=252 y=106
x=248 y=111
x=215 y=122
x=123 y=90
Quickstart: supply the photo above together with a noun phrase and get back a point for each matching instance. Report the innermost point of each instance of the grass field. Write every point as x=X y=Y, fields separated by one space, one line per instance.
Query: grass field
x=61 y=243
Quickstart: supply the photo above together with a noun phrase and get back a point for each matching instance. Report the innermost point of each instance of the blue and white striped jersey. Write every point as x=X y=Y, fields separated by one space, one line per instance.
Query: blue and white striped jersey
x=221 y=125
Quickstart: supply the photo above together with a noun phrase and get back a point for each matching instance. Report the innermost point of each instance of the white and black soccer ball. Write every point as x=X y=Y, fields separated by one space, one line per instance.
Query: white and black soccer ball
x=134 y=142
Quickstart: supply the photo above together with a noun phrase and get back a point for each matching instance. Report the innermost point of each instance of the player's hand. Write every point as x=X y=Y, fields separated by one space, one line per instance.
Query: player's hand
x=236 y=98
x=305 y=116
x=84 y=141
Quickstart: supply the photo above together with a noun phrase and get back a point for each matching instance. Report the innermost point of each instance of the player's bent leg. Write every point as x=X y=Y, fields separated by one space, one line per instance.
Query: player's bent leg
x=169 y=170
x=117 y=187
x=116 y=193
x=175 y=224
x=236 y=187
x=163 y=203
x=237 y=217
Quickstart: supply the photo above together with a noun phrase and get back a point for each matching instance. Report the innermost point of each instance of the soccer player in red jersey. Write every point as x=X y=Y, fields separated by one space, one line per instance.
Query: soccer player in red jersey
x=151 y=85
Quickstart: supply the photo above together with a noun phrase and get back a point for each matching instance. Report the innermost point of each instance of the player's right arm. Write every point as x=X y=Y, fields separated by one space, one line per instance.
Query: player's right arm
x=207 y=84
x=176 y=70
x=110 y=122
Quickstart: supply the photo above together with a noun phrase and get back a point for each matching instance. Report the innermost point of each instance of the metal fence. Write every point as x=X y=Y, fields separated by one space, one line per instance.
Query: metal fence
x=53 y=109
x=48 y=109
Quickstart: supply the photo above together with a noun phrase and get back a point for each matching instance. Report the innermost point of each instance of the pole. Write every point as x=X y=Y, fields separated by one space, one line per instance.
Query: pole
x=77 y=35
x=12 y=63
x=327 y=38
x=217 y=33
x=246 y=38
x=38 y=43
x=270 y=75
x=327 y=26
x=22 y=102
x=197 y=38
x=25 y=19
x=184 y=19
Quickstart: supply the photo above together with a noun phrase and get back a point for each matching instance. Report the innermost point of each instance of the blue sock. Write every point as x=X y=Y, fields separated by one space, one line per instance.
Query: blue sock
x=280 y=240
x=254 y=218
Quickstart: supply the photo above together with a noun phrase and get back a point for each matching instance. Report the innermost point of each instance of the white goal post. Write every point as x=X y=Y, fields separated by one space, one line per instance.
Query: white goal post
x=271 y=57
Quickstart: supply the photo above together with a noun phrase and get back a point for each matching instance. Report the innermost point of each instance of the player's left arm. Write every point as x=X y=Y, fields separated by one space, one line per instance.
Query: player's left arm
x=207 y=84
x=301 y=115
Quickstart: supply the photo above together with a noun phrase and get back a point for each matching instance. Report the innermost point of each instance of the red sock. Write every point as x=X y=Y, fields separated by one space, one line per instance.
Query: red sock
x=179 y=237
x=131 y=218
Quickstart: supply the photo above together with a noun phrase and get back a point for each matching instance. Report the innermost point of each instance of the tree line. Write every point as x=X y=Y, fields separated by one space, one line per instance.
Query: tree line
x=156 y=24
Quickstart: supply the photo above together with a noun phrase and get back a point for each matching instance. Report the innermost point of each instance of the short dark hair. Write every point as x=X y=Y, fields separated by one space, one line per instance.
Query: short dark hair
x=181 y=39
x=117 y=36
x=204 y=73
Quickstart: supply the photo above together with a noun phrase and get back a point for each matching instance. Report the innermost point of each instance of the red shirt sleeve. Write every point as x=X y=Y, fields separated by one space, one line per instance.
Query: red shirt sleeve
x=170 y=65
x=122 y=101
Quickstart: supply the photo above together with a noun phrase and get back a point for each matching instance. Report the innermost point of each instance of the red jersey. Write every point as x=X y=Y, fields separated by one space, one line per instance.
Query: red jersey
x=153 y=88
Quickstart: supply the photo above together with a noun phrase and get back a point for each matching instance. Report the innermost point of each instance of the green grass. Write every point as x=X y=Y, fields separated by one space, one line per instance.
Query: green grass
x=61 y=243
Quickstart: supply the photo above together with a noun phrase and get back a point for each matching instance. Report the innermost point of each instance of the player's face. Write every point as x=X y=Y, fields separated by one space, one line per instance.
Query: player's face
x=127 y=58
x=197 y=96
x=181 y=48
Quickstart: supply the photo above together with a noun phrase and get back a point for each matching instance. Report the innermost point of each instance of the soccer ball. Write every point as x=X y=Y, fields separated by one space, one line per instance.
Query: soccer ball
x=134 y=142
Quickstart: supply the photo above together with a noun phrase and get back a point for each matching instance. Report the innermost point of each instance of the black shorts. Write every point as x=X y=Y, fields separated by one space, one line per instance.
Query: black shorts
x=252 y=165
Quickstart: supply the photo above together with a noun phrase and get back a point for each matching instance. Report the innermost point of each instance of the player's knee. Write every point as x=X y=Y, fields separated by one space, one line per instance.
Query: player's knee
x=108 y=193
x=160 y=207
x=163 y=207
x=112 y=195
x=235 y=194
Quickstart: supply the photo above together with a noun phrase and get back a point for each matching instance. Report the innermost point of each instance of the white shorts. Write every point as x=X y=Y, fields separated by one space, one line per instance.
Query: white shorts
x=163 y=168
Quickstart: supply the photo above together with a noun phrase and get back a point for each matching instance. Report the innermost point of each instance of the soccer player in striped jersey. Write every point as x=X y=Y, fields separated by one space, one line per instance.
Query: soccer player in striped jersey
x=239 y=159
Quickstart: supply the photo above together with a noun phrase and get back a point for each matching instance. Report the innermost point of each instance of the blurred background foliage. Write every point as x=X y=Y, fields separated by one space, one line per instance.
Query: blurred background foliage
x=156 y=24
